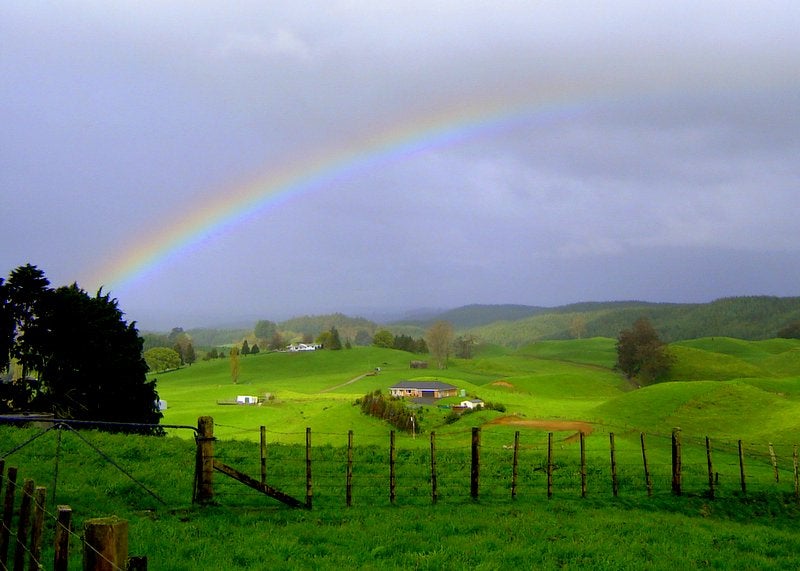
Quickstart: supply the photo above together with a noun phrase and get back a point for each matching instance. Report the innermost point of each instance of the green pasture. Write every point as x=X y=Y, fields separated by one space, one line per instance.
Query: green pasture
x=738 y=389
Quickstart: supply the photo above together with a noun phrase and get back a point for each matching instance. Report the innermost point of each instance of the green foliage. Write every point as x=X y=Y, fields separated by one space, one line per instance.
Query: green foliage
x=790 y=331
x=641 y=354
x=85 y=358
x=383 y=338
x=440 y=341
x=391 y=409
x=265 y=329
x=313 y=326
x=160 y=359
x=334 y=342
x=407 y=343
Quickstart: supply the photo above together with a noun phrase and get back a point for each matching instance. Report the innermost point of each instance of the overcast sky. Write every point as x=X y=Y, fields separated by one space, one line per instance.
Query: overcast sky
x=532 y=152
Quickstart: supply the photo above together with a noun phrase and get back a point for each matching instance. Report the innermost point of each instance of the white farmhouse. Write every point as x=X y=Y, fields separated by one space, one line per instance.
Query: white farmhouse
x=471 y=403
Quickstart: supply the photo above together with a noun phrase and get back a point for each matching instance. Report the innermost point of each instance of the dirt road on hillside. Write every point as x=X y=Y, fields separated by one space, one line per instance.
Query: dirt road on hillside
x=577 y=426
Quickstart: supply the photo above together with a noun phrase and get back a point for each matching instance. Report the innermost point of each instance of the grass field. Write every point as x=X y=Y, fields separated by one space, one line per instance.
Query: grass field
x=747 y=391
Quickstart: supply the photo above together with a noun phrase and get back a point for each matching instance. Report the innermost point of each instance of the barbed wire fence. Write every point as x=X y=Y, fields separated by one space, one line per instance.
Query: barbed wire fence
x=379 y=470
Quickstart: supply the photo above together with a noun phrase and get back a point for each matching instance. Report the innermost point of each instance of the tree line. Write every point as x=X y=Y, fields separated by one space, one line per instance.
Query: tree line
x=71 y=354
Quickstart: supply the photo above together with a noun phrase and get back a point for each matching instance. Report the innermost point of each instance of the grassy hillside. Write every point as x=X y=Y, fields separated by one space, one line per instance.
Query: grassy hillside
x=748 y=390
x=753 y=318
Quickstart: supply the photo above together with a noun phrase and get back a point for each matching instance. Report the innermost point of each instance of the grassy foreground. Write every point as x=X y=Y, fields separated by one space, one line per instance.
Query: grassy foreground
x=723 y=388
x=245 y=530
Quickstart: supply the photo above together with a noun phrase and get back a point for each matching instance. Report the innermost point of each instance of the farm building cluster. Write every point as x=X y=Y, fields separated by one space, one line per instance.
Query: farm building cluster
x=428 y=392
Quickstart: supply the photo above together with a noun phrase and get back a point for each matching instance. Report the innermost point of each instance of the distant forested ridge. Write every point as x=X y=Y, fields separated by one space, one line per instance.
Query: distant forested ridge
x=749 y=318
x=752 y=318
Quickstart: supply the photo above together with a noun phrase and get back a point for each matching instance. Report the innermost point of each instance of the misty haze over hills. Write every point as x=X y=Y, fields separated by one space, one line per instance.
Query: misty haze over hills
x=751 y=317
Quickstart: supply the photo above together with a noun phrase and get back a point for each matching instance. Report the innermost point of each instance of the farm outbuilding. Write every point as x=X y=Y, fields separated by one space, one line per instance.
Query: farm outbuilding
x=246 y=399
x=471 y=403
x=423 y=389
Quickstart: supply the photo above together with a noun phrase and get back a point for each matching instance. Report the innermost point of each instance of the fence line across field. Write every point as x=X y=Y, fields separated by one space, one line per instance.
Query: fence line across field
x=645 y=473
x=348 y=469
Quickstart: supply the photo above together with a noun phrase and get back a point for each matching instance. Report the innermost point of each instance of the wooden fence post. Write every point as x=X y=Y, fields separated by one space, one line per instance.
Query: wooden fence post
x=392 y=456
x=349 y=483
x=61 y=543
x=37 y=526
x=309 y=489
x=582 y=438
x=614 y=481
x=515 y=466
x=648 y=478
x=549 y=465
x=796 y=474
x=475 y=469
x=676 y=462
x=23 y=525
x=434 y=478
x=741 y=468
x=8 y=513
x=711 y=491
x=204 y=468
x=263 y=450
x=774 y=460
x=105 y=546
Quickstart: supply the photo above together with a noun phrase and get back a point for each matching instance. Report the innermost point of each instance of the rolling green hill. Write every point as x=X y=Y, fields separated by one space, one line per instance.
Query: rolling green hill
x=737 y=388
x=747 y=318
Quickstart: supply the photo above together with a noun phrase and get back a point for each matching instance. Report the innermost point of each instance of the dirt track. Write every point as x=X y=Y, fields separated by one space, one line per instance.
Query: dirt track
x=549 y=425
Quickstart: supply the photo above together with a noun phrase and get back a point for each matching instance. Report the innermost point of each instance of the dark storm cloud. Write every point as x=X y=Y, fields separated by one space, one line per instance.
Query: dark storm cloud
x=657 y=159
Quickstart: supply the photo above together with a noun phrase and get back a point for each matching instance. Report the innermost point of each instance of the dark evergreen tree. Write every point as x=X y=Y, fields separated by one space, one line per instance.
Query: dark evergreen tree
x=80 y=358
x=190 y=356
x=334 y=342
x=254 y=350
x=245 y=348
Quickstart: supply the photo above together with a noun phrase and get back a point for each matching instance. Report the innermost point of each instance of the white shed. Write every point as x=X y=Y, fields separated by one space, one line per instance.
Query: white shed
x=246 y=399
x=471 y=403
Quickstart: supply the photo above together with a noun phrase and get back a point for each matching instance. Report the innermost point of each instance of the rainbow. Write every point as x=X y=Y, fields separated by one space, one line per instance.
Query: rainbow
x=279 y=185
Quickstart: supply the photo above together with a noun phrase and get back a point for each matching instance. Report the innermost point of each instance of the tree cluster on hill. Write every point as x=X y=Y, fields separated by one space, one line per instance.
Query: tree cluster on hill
x=641 y=354
x=384 y=338
x=77 y=357
x=391 y=409
x=440 y=342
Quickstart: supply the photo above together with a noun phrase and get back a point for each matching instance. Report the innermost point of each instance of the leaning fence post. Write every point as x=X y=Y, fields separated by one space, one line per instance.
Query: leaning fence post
x=676 y=461
x=349 y=474
x=515 y=466
x=614 y=481
x=711 y=491
x=61 y=543
x=741 y=468
x=37 y=526
x=309 y=489
x=774 y=460
x=476 y=462
x=263 y=451
x=105 y=546
x=549 y=465
x=8 y=513
x=582 y=437
x=434 y=480
x=204 y=469
x=391 y=467
x=796 y=474
x=648 y=478
x=24 y=524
